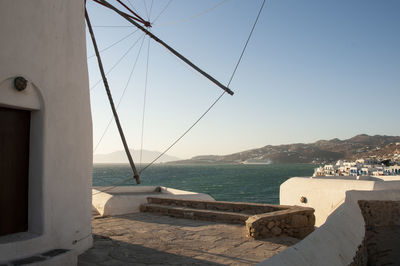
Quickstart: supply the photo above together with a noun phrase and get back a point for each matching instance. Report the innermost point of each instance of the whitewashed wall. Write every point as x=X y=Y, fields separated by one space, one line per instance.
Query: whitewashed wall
x=44 y=41
x=335 y=242
x=127 y=199
x=327 y=194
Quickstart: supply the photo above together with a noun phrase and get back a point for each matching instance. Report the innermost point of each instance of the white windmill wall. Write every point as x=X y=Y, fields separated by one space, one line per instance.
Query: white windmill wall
x=44 y=41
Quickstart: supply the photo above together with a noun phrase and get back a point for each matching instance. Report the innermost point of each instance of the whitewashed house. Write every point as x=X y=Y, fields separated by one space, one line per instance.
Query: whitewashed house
x=353 y=171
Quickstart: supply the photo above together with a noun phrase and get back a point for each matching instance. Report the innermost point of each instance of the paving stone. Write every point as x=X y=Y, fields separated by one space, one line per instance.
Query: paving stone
x=113 y=262
x=103 y=243
x=85 y=263
x=95 y=255
x=149 y=239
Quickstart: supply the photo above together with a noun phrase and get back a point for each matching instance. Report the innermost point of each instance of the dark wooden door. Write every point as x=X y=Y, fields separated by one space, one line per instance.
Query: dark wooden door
x=14 y=170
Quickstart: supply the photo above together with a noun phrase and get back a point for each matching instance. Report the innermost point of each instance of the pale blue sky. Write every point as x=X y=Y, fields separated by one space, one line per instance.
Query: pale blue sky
x=312 y=70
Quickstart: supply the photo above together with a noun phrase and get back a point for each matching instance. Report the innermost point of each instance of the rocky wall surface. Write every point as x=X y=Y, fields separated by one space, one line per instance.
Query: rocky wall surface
x=261 y=220
x=361 y=257
x=296 y=222
x=381 y=244
x=238 y=207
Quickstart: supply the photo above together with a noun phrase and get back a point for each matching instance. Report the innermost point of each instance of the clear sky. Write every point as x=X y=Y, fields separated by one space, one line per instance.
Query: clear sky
x=312 y=70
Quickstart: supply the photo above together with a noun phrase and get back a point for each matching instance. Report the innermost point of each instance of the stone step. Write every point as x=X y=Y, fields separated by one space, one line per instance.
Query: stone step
x=225 y=206
x=196 y=214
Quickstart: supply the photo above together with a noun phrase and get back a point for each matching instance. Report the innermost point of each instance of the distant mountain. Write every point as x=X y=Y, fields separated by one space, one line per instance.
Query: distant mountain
x=322 y=151
x=120 y=157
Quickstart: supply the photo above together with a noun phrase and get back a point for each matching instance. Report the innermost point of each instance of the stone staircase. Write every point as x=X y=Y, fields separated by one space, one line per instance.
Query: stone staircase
x=261 y=220
x=195 y=209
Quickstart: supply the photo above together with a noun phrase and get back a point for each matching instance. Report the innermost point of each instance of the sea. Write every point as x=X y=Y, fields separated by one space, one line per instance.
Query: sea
x=225 y=182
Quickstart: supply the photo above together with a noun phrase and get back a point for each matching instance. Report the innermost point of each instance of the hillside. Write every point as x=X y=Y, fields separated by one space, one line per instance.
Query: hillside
x=322 y=151
x=120 y=157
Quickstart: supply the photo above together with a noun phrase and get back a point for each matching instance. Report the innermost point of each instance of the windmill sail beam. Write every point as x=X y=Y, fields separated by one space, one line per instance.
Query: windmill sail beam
x=172 y=50
x=114 y=110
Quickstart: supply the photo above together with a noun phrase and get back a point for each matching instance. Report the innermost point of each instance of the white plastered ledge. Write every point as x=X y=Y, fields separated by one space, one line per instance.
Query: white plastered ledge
x=335 y=242
x=328 y=193
x=127 y=199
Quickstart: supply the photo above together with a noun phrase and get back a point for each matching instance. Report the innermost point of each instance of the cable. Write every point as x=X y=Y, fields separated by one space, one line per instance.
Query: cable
x=130 y=3
x=245 y=46
x=162 y=11
x=194 y=16
x=111 y=101
x=119 y=61
x=212 y=105
x=147 y=11
x=120 y=99
x=172 y=50
x=187 y=131
x=144 y=100
x=151 y=7
x=165 y=151
x=113 y=186
x=198 y=120
x=102 y=179
x=132 y=12
x=115 y=43
x=112 y=26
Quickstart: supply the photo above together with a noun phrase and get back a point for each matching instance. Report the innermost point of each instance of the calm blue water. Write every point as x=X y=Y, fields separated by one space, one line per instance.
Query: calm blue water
x=251 y=183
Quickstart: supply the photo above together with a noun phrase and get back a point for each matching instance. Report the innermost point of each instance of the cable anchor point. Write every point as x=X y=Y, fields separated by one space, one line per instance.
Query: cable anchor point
x=136 y=176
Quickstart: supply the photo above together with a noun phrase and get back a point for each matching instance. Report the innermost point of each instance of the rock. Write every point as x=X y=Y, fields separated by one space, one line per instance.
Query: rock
x=311 y=220
x=303 y=232
x=271 y=224
x=264 y=231
x=276 y=231
x=299 y=221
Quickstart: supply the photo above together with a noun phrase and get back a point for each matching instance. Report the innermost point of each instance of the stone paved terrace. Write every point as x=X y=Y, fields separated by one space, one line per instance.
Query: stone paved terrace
x=150 y=239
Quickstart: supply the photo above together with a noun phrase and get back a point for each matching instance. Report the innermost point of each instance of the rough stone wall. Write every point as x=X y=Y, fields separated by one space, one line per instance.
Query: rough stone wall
x=295 y=222
x=381 y=245
x=361 y=257
x=262 y=220
x=238 y=207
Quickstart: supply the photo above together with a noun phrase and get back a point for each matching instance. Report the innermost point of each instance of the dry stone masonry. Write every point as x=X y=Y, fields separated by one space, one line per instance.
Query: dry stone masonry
x=295 y=221
x=260 y=220
x=381 y=244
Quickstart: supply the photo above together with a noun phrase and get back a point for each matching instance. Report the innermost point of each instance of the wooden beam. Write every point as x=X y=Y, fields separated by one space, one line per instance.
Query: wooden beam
x=114 y=111
x=172 y=50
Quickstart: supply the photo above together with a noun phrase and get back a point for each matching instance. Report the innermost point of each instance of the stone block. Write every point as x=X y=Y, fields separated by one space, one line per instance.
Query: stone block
x=261 y=220
x=303 y=231
x=311 y=220
x=299 y=221
x=271 y=224
x=188 y=215
x=276 y=231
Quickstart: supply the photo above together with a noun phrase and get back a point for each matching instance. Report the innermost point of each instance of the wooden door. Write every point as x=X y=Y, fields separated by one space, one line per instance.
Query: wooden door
x=14 y=170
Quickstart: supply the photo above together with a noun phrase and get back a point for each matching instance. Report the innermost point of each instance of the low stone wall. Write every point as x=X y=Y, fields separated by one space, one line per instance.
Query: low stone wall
x=227 y=206
x=261 y=220
x=295 y=221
